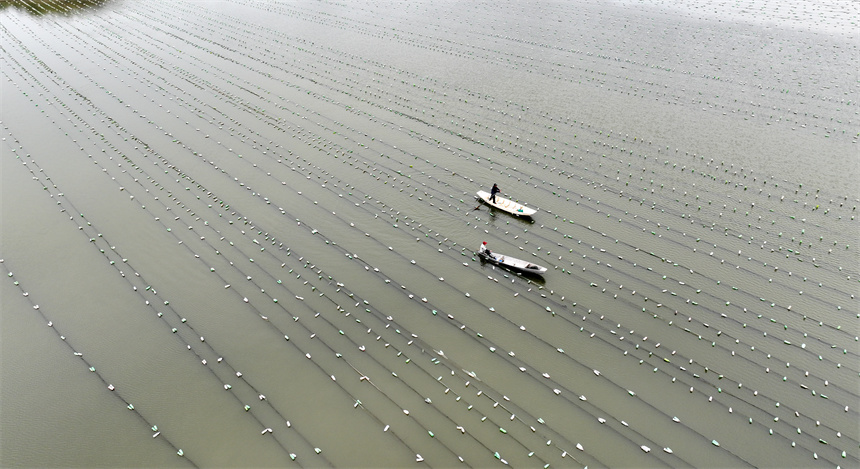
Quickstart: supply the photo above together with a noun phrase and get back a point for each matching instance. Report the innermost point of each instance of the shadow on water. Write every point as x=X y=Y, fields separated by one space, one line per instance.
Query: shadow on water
x=496 y=214
x=52 y=7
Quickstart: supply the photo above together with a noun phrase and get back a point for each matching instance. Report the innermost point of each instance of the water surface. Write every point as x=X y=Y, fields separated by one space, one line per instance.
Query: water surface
x=241 y=233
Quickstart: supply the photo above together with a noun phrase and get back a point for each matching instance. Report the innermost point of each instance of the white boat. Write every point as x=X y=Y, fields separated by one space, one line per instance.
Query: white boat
x=509 y=206
x=512 y=263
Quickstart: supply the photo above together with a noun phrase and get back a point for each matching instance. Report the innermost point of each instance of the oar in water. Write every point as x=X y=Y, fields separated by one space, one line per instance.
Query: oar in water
x=476 y=208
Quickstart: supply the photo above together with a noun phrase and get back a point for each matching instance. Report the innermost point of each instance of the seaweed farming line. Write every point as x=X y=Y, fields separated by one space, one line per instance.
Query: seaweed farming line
x=261 y=170
x=225 y=363
x=45 y=318
x=221 y=359
x=556 y=69
x=317 y=175
x=183 y=321
x=775 y=269
x=146 y=286
x=631 y=197
x=726 y=170
x=601 y=132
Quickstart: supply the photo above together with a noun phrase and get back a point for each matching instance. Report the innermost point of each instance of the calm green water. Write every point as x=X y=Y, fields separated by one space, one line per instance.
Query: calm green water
x=241 y=234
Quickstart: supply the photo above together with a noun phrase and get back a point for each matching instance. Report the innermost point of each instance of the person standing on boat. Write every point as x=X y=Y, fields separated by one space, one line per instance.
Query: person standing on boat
x=495 y=190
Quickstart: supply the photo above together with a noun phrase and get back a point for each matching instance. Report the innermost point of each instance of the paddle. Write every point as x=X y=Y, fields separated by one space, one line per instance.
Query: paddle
x=476 y=208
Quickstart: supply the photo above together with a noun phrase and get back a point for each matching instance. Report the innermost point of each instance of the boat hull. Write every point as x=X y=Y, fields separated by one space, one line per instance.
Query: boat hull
x=512 y=263
x=506 y=205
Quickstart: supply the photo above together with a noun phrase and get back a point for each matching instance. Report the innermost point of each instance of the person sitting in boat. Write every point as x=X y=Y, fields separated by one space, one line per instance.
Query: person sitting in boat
x=495 y=190
x=485 y=250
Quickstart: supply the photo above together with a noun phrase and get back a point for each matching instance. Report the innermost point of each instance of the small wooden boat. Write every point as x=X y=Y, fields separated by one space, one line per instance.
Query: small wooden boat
x=507 y=205
x=512 y=263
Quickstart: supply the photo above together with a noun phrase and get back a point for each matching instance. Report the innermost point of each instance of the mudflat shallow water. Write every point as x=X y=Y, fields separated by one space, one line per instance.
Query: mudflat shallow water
x=242 y=233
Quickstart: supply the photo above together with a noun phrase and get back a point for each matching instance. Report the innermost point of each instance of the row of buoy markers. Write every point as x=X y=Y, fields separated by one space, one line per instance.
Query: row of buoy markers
x=247 y=407
x=174 y=330
x=90 y=367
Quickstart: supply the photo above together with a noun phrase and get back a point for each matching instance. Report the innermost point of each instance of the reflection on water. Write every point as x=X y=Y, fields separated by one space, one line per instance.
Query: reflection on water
x=243 y=233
